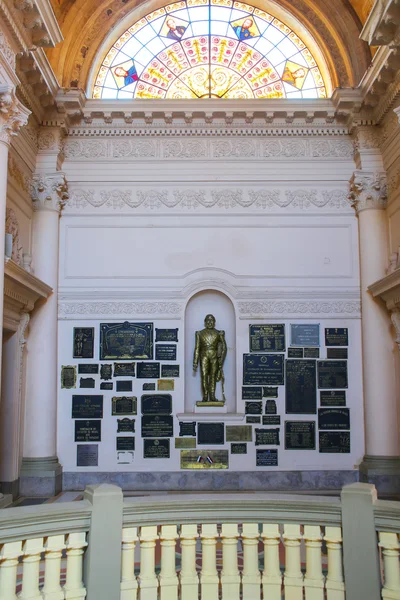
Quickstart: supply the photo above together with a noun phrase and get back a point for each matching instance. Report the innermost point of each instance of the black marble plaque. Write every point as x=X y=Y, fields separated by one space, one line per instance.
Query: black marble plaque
x=157 y=426
x=68 y=377
x=87 y=407
x=253 y=408
x=106 y=385
x=337 y=353
x=83 y=342
x=165 y=351
x=148 y=370
x=300 y=435
x=106 y=372
x=156 y=449
x=270 y=407
x=336 y=336
x=156 y=404
x=149 y=387
x=238 y=448
x=252 y=393
x=334 y=442
x=169 y=371
x=301 y=387
x=126 y=341
x=267 y=437
x=304 y=335
x=270 y=392
x=187 y=428
x=87 y=455
x=124 y=405
x=333 y=418
x=124 y=386
x=263 y=369
x=87 y=382
x=267 y=338
x=88 y=431
x=125 y=443
x=252 y=420
x=88 y=369
x=271 y=420
x=266 y=458
x=126 y=425
x=333 y=398
x=124 y=369
x=166 y=335
x=211 y=433
x=332 y=374
x=295 y=352
x=311 y=352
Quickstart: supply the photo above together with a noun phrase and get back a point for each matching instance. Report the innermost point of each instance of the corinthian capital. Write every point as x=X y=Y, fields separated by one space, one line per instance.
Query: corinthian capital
x=49 y=192
x=368 y=190
x=13 y=114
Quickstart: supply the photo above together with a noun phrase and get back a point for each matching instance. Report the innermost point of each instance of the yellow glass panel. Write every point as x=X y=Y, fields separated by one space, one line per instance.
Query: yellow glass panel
x=197 y=79
x=222 y=80
x=145 y=90
x=155 y=14
x=174 y=58
x=240 y=90
x=222 y=50
x=124 y=38
x=270 y=91
x=227 y=3
x=157 y=74
x=321 y=92
x=245 y=58
x=281 y=26
x=175 y=6
x=197 y=2
x=110 y=57
x=196 y=50
x=263 y=15
x=309 y=58
x=242 y=6
x=180 y=91
x=97 y=92
x=261 y=74
x=137 y=26
x=101 y=75
x=296 y=40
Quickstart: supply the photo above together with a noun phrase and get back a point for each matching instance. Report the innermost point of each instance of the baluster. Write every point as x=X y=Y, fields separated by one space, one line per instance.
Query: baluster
x=54 y=545
x=31 y=569
x=390 y=549
x=272 y=576
x=251 y=576
x=168 y=577
x=293 y=578
x=189 y=578
x=129 y=584
x=74 y=588
x=9 y=554
x=148 y=578
x=314 y=580
x=230 y=576
x=209 y=573
x=334 y=580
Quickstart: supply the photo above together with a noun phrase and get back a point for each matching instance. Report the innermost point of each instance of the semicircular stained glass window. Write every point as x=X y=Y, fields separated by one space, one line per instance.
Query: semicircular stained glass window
x=209 y=49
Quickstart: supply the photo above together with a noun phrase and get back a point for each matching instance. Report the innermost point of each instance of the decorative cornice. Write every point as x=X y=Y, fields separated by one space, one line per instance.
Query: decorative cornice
x=66 y=309
x=382 y=24
x=388 y=289
x=344 y=309
x=13 y=114
x=49 y=192
x=368 y=191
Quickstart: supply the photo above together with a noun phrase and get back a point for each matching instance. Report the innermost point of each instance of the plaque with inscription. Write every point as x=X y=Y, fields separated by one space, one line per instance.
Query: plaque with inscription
x=332 y=374
x=124 y=369
x=333 y=398
x=263 y=369
x=270 y=407
x=187 y=428
x=304 y=335
x=336 y=336
x=156 y=404
x=271 y=420
x=105 y=372
x=267 y=437
x=87 y=455
x=158 y=426
x=83 y=342
x=68 y=377
x=156 y=449
x=124 y=405
x=267 y=338
x=253 y=408
x=106 y=385
x=266 y=458
x=165 y=385
x=204 y=459
x=149 y=387
x=251 y=393
x=311 y=352
x=165 y=351
x=169 y=370
x=253 y=420
x=87 y=431
x=185 y=443
x=334 y=442
x=210 y=433
x=337 y=353
x=166 y=335
x=125 y=458
x=295 y=352
x=148 y=370
x=88 y=369
x=270 y=392
x=126 y=425
x=238 y=448
x=333 y=418
x=239 y=433
x=87 y=407
x=125 y=443
x=300 y=435
x=87 y=382
x=301 y=387
x=126 y=341
x=124 y=386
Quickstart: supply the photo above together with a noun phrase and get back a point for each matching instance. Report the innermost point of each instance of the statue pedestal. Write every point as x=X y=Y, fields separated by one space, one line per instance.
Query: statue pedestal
x=208 y=404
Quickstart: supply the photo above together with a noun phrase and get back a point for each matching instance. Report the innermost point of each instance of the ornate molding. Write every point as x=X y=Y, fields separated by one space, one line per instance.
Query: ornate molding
x=7 y=52
x=395 y=317
x=66 y=309
x=368 y=190
x=12 y=227
x=388 y=289
x=349 y=308
x=13 y=114
x=382 y=24
x=49 y=192
x=17 y=173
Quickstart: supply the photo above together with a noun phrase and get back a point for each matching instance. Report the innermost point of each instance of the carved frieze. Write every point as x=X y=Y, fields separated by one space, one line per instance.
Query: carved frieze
x=71 y=308
x=351 y=308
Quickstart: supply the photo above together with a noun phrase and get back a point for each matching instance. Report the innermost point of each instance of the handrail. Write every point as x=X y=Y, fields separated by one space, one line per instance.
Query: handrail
x=387 y=516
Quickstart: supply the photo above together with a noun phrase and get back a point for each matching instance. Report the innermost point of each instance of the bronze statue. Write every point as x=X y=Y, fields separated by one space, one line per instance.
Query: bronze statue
x=211 y=351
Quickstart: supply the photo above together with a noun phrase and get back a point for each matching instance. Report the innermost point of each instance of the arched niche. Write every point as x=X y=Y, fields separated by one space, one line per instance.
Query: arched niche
x=200 y=305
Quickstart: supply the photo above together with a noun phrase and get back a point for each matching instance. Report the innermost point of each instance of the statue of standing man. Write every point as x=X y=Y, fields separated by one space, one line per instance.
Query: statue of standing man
x=210 y=351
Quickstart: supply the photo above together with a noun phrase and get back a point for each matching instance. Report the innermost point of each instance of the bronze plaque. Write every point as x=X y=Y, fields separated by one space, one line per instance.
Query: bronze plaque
x=169 y=371
x=156 y=449
x=311 y=352
x=263 y=369
x=165 y=385
x=106 y=372
x=251 y=393
x=68 y=377
x=336 y=336
x=87 y=455
x=253 y=408
x=270 y=392
x=301 y=387
x=271 y=420
x=333 y=418
x=124 y=405
x=124 y=369
x=266 y=458
x=334 y=442
x=204 y=459
x=88 y=431
x=148 y=370
x=149 y=387
x=87 y=407
x=87 y=382
x=267 y=338
x=267 y=437
x=156 y=404
x=253 y=420
x=239 y=433
x=88 y=369
x=238 y=448
x=333 y=398
x=125 y=443
x=83 y=342
x=270 y=407
x=185 y=443
x=106 y=385
x=187 y=428
x=337 y=353
x=295 y=352
x=165 y=351
x=332 y=374
x=300 y=435
x=157 y=426
x=126 y=341
x=166 y=335
x=124 y=386
x=126 y=425
x=211 y=433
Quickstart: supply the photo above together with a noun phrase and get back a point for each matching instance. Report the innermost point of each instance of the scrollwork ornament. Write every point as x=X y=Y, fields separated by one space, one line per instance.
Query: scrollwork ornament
x=395 y=317
x=13 y=114
x=368 y=190
x=12 y=227
x=49 y=192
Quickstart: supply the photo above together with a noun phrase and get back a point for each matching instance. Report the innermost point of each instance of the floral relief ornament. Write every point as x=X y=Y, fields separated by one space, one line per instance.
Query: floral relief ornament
x=13 y=114
x=368 y=190
x=49 y=192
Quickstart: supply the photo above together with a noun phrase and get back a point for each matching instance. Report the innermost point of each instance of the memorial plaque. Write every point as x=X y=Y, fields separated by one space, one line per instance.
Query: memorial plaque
x=295 y=352
x=301 y=387
x=253 y=408
x=238 y=448
x=105 y=372
x=253 y=420
x=156 y=404
x=125 y=458
x=87 y=455
x=239 y=433
x=124 y=386
x=185 y=443
x=149 y=387
x=338 y=353
x=332 y=374
x=263 y=369
x=125 y=443
x=148 y=370
x=126 y=341
x=304 y=335
x=83 y=342
x=210 y=433
x=87 y=382
x=87 y=431
x=266 y=458
x=270 y=392
x=333 y=398
x=267 y=338
x=124 y=369
x=126 y=425
x=106 y=385
x=156 y=449
x=334 y=442
x=165 y=385
x=166 y=335
x=336 y=336
x=157 y=426
x=267 y=437
x=165 y=351
x=204 y=459
x=124 y=405
x=169 y=370
x=311 y=352
x=87 y=407
x=333 y=418
x=270 y=407
x=68 y=377
x=251 y=393
x=271 y=420
x=300 y=435
x=88 y=369
x=187 y=428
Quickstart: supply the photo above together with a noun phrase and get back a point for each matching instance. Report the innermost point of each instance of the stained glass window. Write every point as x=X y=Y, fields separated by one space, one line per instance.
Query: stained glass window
x=209 y=49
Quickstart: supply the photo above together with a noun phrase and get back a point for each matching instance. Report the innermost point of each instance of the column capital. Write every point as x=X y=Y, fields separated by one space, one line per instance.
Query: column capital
x=49 y=191
x=368 y=190
x=13 y=114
